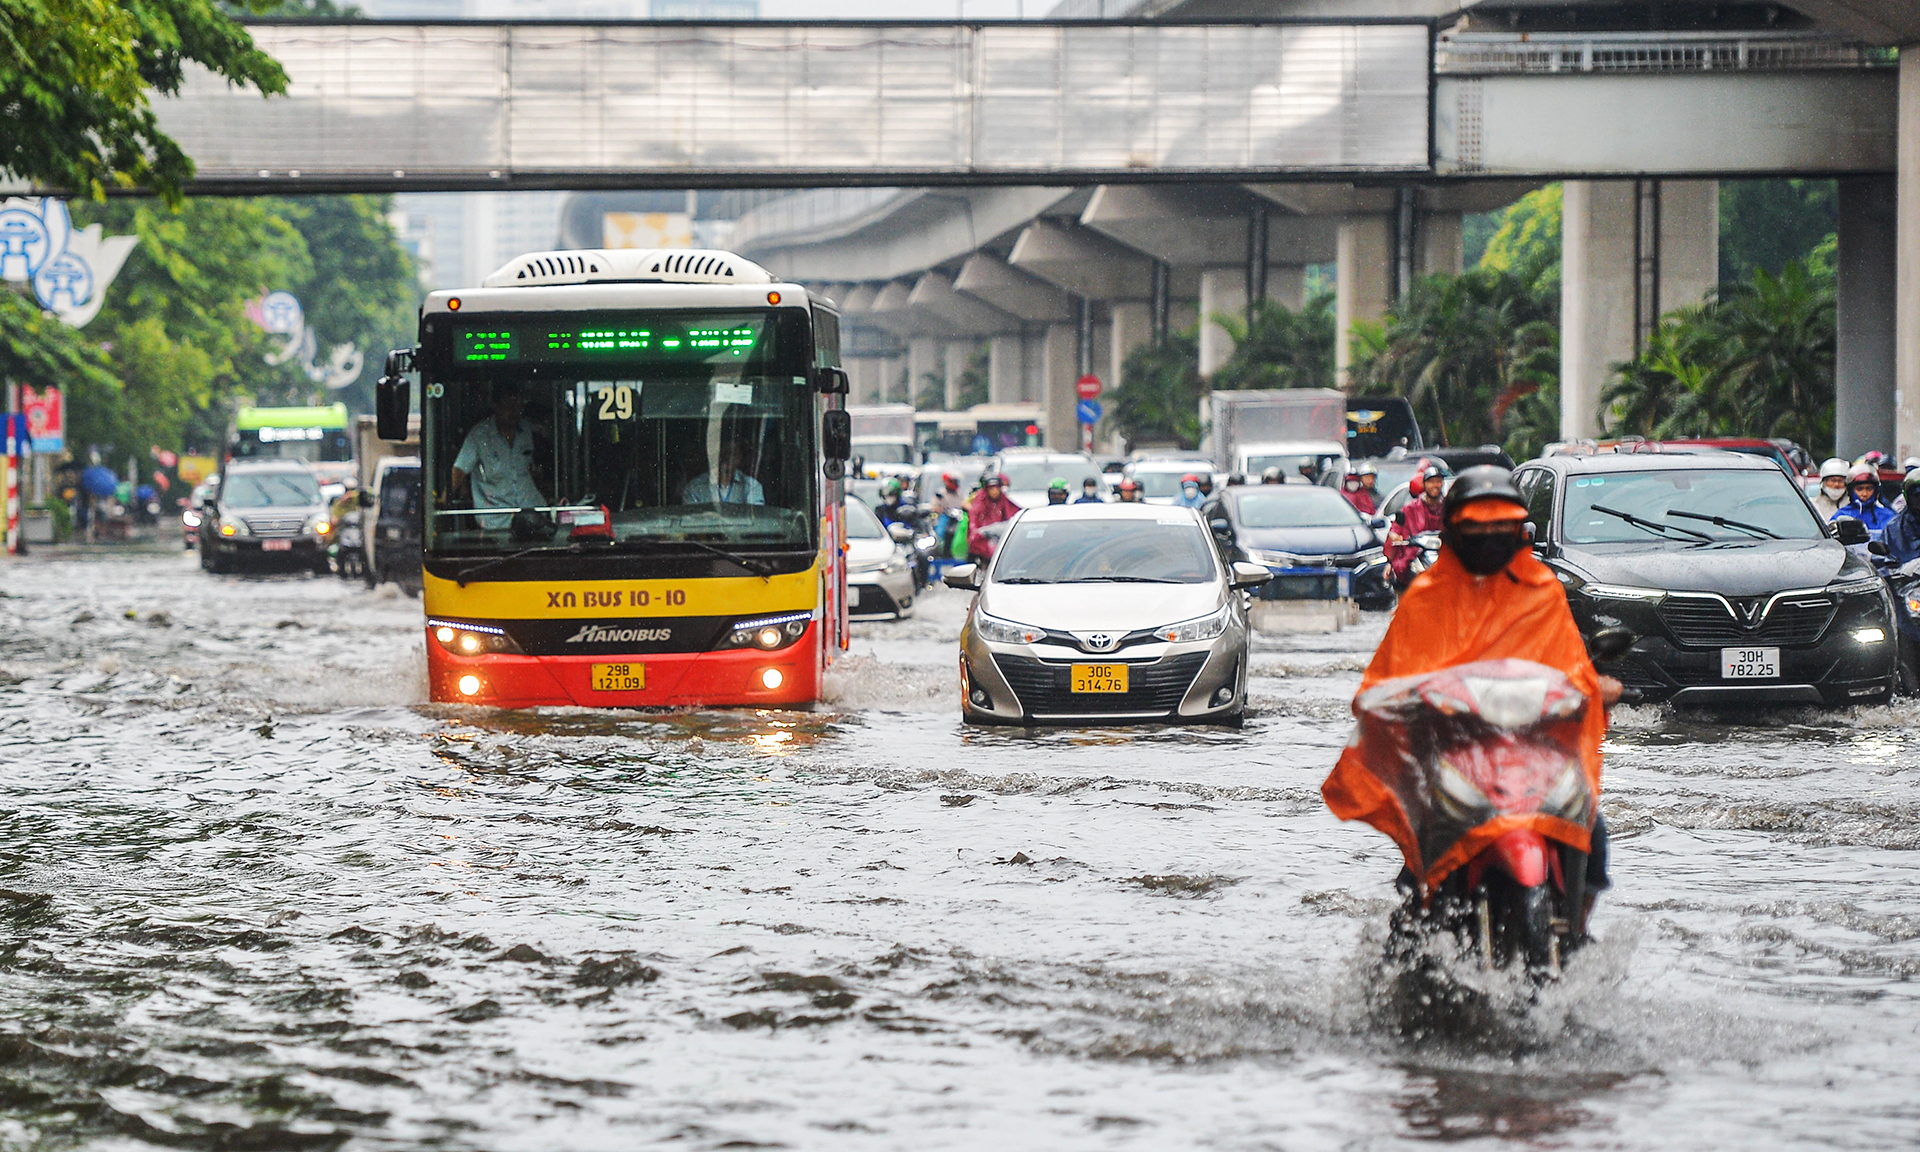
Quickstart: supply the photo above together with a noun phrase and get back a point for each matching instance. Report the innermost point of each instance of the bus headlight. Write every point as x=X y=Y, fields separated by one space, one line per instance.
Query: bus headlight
x=766 y=633
x=463 y=638
x=469 y=685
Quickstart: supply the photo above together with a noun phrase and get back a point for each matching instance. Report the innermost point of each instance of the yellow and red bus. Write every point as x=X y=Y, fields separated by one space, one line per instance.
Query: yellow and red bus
x=634 y=462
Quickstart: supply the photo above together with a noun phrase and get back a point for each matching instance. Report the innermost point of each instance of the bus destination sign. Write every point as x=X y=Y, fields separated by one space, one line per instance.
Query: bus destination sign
x=704 y=343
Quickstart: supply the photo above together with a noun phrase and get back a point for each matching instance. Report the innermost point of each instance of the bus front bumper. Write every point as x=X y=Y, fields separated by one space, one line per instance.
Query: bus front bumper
x=732 y=678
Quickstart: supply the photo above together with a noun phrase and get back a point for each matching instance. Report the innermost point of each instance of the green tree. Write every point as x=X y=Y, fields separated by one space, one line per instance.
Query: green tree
x=1279 y=348
x=1528 y=237
x=363 y=289
x=1159 y=394
x=75 y=79
x=1767 y=224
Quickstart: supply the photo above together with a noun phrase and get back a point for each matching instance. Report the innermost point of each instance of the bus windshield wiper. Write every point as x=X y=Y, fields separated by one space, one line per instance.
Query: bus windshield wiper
x=747 y=564
x=1723 y=522
x=461 y=577
x=1651 y=525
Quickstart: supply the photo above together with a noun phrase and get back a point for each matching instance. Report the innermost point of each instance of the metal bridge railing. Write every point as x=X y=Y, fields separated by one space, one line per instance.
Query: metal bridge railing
x=1495 y=53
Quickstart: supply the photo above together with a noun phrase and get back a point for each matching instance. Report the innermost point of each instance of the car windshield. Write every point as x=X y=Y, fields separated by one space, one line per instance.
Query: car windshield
x=685 y=426
x=1295 y=506
x=400 y=493
x=1290 y=463
x=1118 y=549
x=1158 y=484
x=270 y=490
x=862 y=524
x=886 y=453
x=1035 y=475
x=1680 y=505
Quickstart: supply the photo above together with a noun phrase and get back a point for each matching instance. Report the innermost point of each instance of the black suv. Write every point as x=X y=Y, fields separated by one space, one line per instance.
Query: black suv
x=265 y=512
x=1737 y=591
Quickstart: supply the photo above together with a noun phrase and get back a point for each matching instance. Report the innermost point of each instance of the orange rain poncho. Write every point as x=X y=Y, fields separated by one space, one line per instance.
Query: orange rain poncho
x=1450 y=617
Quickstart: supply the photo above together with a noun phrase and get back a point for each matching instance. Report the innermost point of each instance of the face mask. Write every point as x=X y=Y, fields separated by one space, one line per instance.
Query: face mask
x=1353 y=485
x=1484 y=554
x=1837 y=489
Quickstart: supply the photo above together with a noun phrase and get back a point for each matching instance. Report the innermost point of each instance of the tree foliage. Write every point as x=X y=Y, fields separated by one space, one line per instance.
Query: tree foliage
x=1466 y=349
x=75 y=80
x=1279 y=348
x=1756 y=359
x=1159 y=394
x=975 y=379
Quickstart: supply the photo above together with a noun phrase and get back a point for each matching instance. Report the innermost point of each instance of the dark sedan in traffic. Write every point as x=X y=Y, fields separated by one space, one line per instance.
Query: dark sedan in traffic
x=1314 y=542
x=1738 y=593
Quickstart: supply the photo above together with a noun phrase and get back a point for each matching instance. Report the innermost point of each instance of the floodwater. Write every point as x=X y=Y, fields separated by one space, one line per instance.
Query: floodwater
x=254 y=893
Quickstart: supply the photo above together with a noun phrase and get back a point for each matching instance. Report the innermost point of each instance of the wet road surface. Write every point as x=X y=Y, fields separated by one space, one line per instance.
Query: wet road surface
x=254 y=893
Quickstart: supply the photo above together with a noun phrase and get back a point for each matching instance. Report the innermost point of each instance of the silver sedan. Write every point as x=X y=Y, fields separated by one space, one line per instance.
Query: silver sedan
x=1105 y=612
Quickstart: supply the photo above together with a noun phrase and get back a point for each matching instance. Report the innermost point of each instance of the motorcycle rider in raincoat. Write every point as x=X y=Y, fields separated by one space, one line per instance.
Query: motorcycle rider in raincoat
x=1354 y=488
x=1903 y=533
x=1832 y=492
x=1417 y=516
x=1864 y=503
x=1487 y=597
x=989 y=506
x=1190 y=494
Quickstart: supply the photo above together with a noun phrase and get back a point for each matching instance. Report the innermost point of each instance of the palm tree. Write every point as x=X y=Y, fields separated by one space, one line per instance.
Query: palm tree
x=1279 y=348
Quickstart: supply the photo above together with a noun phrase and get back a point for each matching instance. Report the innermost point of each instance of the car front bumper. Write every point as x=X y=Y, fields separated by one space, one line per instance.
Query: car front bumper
x=1031 y=684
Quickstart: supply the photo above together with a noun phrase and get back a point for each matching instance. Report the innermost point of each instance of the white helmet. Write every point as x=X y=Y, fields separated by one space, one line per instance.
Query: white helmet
x=1834 y=468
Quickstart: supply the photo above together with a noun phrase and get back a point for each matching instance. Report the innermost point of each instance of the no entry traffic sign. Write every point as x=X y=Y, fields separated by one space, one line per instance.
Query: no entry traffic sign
x=1087 y=387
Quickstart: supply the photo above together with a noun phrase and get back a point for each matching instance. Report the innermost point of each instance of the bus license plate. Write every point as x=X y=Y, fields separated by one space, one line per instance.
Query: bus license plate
x=619 y=677
x=1749 y=663
x=1099 y=677
x=276 y=545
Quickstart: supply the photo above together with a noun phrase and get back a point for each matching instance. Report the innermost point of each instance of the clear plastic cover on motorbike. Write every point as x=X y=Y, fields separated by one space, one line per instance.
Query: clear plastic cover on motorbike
x=1473 y=752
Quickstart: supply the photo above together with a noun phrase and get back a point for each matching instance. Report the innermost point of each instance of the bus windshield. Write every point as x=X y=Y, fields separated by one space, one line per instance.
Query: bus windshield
x=688 y=426
x=313 y=444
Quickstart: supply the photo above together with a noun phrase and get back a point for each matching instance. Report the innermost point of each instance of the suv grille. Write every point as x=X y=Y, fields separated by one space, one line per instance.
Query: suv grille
x=275 y=525
x=1044 y=688
x=1703 y=621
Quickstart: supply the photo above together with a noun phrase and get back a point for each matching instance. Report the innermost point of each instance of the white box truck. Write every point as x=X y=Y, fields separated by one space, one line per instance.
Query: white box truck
x=1249 y=431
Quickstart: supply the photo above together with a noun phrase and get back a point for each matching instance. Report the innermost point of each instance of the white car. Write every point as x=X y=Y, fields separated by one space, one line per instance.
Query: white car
x=879 y=567
x=1323 y=456
x=1030 y=472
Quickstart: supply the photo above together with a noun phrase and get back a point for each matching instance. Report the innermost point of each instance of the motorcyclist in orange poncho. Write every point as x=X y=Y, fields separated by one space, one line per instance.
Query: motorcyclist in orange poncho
x=1487 y=597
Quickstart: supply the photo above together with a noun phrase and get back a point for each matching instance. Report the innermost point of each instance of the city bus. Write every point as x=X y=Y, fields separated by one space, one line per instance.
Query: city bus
x=634 y=463
x=321 y=436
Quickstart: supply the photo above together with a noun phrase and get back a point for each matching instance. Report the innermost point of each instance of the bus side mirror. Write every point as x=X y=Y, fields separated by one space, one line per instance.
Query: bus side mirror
x=831 y=382
x=390 y=399
x=836 y=433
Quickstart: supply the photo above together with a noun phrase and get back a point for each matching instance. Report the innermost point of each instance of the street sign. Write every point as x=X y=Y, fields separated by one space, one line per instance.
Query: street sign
x=1087 y=387
x=46 y=413
x=1088 y=411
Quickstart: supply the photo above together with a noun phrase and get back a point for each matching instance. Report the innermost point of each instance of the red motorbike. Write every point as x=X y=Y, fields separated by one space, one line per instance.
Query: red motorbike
x=1484 y=760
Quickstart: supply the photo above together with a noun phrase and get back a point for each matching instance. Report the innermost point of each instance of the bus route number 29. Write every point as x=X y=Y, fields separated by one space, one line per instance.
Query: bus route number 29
x=616 y=403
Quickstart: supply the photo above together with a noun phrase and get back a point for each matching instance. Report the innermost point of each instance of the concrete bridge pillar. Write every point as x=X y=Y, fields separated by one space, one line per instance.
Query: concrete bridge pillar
x=1223 y=292
x=1363 y=285
x=1060 y=367
x=1439 y=244
x=1631 y=252
x=1864 y=361
x=1007 y=369
x=1907 y=300
x=956 y=355
x=1132 y=327
x=1287 y=285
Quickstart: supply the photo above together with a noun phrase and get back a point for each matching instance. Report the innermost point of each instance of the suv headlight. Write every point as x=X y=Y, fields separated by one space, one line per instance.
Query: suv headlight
x=1276 y=559
x=463 y=638
x=1857 y=587
x=767 y=633
x=1623 y=592
x=1202 y=628
x=995 y=631
x=232 y=526
x=319 y=526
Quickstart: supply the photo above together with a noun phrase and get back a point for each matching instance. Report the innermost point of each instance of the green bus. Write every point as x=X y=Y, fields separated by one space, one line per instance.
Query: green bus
x=323 y=437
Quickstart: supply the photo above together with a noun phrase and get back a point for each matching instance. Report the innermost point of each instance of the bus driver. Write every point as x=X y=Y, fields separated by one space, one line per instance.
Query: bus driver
x=733 y=485
x=495 y=464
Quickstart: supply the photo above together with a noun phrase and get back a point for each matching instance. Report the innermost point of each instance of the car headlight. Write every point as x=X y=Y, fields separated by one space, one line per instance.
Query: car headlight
x=319 y=526
x=232 y=526
x=1275 y=559
x=464 y=638
x=1857 y=587
x=1623 y=592
x=1203 y=628
x=995 y=631
x=1913 y=606
x=766 y=633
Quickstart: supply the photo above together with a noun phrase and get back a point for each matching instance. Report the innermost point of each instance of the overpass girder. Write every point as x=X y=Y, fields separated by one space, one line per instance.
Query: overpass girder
x=962 y=315
x=999 y=284
x=1082 y=261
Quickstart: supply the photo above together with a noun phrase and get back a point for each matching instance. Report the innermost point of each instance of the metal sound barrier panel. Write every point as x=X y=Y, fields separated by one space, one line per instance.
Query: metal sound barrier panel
x=418 y=106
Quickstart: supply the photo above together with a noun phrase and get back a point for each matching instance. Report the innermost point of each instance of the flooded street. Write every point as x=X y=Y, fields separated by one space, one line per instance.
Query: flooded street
x=257 y=894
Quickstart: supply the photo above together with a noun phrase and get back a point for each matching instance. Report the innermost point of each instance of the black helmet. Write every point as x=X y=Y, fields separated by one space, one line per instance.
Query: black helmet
x=1481 y=482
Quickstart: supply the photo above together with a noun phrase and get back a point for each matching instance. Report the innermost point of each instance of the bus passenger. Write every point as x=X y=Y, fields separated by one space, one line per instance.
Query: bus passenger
x=736 y=488
x=495 y=464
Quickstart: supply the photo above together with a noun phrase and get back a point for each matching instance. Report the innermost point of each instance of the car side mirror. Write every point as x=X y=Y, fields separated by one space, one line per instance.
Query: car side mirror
x=1876 y=548
x=1849 y=531
x=1221 y=527
x=1379 y=523
x=900 y=533
x=1247 y=575
x=365 y=498
x=831 y=382
x=965 y=577
x=391 y=401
